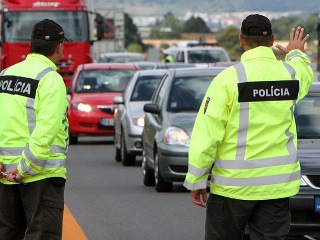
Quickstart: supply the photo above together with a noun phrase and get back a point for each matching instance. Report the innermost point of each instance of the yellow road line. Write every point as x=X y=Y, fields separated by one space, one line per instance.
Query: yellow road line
x=71 y=229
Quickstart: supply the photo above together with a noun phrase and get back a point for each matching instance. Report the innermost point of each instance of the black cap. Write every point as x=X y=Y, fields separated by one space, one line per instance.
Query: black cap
x=256 y=25
x=48 y=30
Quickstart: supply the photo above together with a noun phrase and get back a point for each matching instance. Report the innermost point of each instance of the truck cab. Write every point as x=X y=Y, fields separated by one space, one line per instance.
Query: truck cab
x=19 y=16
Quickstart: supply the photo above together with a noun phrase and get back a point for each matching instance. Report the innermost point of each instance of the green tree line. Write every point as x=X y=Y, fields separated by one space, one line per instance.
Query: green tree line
x=170 y=27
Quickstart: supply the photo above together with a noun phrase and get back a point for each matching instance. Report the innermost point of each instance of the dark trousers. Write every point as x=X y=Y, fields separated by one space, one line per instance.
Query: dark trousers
x=32 y=212
x=227 y=218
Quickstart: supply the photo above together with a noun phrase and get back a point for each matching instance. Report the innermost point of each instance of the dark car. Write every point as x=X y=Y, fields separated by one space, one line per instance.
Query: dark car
x=168 y=124
x=305 y=206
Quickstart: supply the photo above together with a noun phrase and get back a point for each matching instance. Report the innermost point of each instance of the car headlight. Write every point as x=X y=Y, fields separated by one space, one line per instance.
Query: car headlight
x=176 y=136
x=83 y=107
x=138 y=121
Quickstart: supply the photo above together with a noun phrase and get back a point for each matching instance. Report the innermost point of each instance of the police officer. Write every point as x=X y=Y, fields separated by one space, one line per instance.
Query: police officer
x=245 y=135
x=34 y=140
x=167 y=57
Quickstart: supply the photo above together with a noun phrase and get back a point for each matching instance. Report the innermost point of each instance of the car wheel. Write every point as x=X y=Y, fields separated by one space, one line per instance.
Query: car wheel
x=126 y=159
x=147 y=173
x=161 y=184
x=73 y=139
x=118 y=152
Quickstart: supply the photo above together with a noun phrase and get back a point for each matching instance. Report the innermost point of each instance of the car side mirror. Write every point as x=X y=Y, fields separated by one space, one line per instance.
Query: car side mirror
x=151 y=108
x=118 y=100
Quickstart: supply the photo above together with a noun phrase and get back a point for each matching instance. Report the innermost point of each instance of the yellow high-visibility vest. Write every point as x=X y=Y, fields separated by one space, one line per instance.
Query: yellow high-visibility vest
x=33 y=122
x=245 y=132
x=168 y=59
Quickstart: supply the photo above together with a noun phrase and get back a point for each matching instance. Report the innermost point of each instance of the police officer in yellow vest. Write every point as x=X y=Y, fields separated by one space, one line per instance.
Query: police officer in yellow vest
x=167 y=57
x=245 y=135
x=34 y=140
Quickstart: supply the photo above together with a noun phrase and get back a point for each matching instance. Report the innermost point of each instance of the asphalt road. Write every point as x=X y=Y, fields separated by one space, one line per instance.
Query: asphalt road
x=110 y=202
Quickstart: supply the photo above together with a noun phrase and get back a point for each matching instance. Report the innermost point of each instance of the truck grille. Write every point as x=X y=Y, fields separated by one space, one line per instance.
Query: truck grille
x=315 y=180
x=106 y=109
x=64 y=64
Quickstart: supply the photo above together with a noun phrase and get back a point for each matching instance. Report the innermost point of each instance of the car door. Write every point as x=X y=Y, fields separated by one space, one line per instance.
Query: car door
x=153 y=121
x=120 y=111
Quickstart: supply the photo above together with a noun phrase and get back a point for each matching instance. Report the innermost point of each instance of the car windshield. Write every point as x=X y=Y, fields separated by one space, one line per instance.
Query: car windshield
x=145 y=87
x=18 y=25
x=206 y=56
x=103 y=80
x=187 y=93
x=307 y=113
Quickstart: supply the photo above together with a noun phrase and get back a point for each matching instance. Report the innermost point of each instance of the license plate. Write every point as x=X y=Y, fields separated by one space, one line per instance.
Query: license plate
x=107 y=121
x=317 y=203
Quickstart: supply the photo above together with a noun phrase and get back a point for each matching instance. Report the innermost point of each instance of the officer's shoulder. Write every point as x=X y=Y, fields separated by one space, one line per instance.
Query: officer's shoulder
x=228 y=71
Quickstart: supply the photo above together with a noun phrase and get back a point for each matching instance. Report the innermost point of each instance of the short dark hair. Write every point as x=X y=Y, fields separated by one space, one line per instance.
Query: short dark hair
x=257 y=41
x=44 y=47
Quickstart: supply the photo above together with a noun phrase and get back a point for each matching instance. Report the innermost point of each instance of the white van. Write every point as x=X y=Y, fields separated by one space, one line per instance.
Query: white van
x=199 y=55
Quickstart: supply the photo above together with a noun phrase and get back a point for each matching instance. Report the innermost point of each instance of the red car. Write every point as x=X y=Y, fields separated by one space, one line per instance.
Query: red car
x=93 y=87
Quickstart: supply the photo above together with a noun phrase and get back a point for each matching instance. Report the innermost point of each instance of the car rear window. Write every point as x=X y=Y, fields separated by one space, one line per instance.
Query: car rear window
x=103 y=80
x=307 y=113
x=187 y=93
x=145 y=87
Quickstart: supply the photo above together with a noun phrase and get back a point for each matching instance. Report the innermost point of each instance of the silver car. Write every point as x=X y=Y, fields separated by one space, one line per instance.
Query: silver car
x=129 y=114
x=168 y=124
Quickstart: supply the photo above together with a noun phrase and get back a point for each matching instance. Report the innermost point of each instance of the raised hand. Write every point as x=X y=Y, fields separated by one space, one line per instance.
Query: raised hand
x=296 y=41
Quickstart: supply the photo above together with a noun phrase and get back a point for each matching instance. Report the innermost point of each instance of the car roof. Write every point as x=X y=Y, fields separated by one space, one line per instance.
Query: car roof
x=152 y=72
x=181 y=72
x=121 y=54
x=314 y=88
x=174 y=65
x=128 y=66
x=195 y=48
x=142 y=64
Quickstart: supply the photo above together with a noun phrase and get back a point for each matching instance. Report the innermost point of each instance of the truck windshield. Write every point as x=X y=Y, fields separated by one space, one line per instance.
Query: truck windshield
x=307 y=115
x=17 y=26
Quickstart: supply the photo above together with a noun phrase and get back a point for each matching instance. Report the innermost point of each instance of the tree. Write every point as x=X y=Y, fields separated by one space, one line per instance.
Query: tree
x=282 y=26
x=169 y=28
x=131 y=34
x=229 y=39
x=195 y=25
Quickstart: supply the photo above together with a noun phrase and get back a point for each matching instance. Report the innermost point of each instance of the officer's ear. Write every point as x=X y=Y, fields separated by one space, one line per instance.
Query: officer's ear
x=241 y=40
x=273 y=38
x=59 y=48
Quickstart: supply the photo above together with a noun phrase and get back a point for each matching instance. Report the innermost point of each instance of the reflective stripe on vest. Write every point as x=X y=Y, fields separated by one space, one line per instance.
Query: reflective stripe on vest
x=17 y=151
x=297 y=54
x=31 y=115
x=240 y=162
x=57 y=163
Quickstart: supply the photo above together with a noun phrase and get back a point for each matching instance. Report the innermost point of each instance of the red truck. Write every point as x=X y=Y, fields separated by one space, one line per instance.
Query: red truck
x=19 y=16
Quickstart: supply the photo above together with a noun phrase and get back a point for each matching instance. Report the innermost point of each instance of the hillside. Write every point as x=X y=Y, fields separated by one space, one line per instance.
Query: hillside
x=180 y=7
